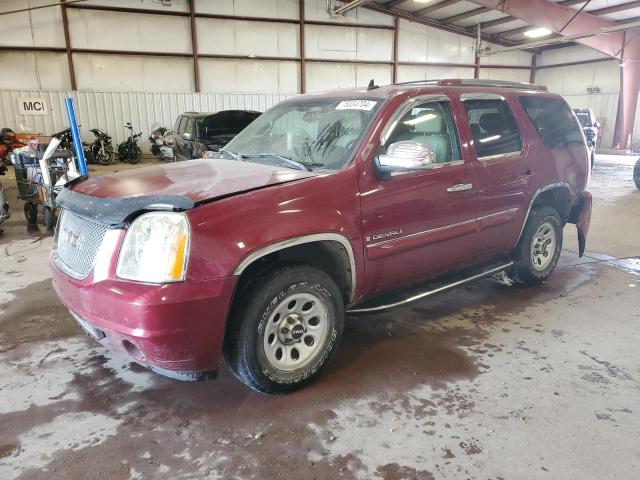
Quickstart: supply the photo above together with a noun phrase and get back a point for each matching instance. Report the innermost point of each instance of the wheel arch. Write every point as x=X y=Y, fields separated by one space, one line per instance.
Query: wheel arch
x=557 y=195
x=329 y=252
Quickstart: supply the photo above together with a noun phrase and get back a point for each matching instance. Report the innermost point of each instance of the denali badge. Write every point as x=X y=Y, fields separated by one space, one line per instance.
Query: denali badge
x=383 y=236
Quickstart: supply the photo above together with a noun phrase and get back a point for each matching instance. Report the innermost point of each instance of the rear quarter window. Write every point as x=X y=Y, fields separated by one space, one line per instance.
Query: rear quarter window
x=554 y=121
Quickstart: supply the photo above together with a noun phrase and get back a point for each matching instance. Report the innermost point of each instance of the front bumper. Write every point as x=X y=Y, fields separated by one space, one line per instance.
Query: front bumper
x=174 y=329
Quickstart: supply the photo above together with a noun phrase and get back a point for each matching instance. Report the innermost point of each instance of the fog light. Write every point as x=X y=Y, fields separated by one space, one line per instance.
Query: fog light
x=132 y=350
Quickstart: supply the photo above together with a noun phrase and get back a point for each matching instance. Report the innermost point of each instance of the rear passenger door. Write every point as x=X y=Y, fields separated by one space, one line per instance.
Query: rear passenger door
x=503 y=172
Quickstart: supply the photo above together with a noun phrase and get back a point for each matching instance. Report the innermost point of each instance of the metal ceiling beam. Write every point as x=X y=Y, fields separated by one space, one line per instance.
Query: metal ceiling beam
x=436 y=6
x=509 y=18
x=600 y=11
x=463 y=15
x=429 y=22
x=562 y=19
x=335 y=11
x=394 y=3
x=615 y=8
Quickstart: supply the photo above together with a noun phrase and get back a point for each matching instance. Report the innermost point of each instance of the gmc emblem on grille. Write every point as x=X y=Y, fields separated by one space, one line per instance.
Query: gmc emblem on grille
x=71 y=238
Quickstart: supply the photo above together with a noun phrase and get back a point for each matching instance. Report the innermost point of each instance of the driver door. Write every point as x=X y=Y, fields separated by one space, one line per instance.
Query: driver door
x=419 y=224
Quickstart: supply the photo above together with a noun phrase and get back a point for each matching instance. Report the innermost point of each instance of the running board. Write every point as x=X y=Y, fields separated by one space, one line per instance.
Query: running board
x=432 y=292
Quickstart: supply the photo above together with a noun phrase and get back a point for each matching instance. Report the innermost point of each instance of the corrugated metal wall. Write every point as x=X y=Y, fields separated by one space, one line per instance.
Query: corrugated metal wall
x=111 y=110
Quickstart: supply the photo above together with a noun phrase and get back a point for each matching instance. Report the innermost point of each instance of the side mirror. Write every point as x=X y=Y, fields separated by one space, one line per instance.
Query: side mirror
x=187 y=136
x=404 y=156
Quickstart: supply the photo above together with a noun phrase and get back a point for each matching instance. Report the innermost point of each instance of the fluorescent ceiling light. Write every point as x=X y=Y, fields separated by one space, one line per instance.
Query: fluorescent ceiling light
x=423 y=1
x=537 y=32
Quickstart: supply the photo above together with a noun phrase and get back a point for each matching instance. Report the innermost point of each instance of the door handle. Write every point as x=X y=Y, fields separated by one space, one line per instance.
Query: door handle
x=460 y=187
x=526 y=172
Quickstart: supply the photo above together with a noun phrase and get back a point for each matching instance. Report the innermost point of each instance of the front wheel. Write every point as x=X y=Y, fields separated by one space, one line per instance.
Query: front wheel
x=285 y=329
x=135 y=155
x=636 y=174
x=105 y=157
x=539 y=247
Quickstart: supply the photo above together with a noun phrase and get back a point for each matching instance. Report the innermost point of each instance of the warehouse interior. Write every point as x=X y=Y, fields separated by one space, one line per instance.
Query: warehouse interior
x=487 y=380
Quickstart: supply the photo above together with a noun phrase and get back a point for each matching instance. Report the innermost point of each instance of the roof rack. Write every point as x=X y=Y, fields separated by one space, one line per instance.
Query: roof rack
x=460 y=82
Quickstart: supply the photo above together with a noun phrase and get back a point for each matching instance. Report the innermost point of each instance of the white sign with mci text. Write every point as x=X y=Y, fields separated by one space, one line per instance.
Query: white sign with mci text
x=32 y=106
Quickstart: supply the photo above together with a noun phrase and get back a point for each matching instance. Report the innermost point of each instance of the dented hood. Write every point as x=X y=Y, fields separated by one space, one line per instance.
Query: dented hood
x=199 y=180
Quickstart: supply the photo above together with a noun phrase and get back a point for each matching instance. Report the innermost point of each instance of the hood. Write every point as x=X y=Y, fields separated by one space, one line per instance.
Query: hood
x=198 y=180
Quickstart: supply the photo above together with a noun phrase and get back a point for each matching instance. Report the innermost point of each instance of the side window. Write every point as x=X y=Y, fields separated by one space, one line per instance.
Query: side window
x=190 y=127
x=493 y=127
x=176 y=128
x=553 y=120
x=430 y=124
x=183 y=125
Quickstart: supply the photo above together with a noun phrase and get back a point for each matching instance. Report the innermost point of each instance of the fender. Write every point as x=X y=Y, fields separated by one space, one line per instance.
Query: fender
x=317 y=237
x=535 y=196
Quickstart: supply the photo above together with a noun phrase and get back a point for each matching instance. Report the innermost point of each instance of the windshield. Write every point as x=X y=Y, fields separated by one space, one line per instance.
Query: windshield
x=318 y=133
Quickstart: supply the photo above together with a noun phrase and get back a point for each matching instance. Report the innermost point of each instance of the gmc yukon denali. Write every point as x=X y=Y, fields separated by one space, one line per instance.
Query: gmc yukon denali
x=345 y=202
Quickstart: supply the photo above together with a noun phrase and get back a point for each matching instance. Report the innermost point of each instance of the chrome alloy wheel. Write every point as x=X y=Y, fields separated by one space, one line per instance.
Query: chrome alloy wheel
x=543 y=246
x=295 y=332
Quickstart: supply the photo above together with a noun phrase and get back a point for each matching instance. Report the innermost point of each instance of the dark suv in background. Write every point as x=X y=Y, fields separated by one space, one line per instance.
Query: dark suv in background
x=196 y=133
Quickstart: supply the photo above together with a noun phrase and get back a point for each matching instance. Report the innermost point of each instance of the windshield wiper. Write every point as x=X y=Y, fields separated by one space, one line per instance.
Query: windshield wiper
x=293 y=163
x=235 y=156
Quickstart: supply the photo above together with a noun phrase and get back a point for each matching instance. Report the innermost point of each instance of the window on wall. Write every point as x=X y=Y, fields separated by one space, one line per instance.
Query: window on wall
x=430 y=124
x=493 y=127
x=556 y=125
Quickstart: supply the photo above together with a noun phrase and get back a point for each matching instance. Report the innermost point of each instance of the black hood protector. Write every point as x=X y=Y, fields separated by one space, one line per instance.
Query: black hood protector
x=114 y=212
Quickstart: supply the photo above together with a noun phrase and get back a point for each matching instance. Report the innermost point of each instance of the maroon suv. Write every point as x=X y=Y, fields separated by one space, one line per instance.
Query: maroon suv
x=346 y=201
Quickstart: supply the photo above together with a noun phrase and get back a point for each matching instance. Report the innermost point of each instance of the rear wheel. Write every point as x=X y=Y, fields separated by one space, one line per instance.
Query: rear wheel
x=539 y=247
x=31 y=213
x=636 y=174
x=285 y=330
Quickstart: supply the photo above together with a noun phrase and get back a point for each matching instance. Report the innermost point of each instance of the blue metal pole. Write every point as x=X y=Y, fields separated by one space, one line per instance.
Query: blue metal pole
x=75 y=134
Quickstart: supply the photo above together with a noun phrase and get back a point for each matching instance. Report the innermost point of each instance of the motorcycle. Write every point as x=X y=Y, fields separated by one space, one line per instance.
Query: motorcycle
x=129 y=149
x=101 y=149
x=99 y=152
x=4 y=205
x=161 y=140
x=66 y=143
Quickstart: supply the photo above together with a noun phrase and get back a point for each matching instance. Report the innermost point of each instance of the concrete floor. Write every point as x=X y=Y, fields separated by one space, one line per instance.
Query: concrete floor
x=483 y=383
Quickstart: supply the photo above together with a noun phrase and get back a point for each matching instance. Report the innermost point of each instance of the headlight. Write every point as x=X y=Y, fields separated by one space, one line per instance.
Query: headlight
x=155 y=248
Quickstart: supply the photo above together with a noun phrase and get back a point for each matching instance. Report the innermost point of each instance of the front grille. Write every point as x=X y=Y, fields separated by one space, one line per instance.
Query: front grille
x=78 y=240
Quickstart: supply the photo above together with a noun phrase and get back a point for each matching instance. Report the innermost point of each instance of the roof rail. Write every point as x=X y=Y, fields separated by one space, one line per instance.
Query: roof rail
x=463 y=82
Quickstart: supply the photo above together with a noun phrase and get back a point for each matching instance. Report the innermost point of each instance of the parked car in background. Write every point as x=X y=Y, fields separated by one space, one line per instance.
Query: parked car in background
x=590 y=127
x=197 y=133
x=354 y=200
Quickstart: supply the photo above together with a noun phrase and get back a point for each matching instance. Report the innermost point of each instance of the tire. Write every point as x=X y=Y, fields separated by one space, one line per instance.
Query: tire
x=31 y=213
x=636 y=174
x=105 y=158
x=274 y=315
x=135 y=155
x=539 y=247
x=49 y=217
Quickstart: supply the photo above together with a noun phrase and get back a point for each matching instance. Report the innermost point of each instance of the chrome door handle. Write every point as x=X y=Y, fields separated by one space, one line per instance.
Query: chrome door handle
x=460 y=187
